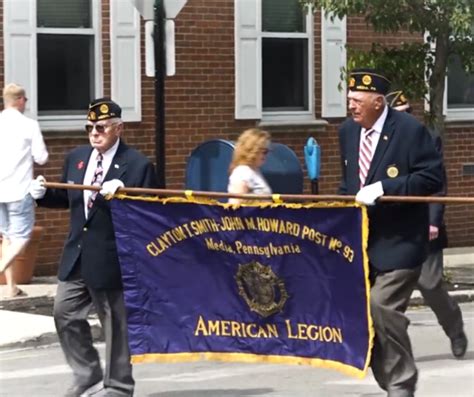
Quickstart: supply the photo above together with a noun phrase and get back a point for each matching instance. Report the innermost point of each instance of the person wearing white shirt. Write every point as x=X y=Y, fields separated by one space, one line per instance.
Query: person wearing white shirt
x=250 y=153
x=21 y=145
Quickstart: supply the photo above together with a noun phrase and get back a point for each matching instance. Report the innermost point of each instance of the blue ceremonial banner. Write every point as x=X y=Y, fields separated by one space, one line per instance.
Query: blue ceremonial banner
x=281 y=283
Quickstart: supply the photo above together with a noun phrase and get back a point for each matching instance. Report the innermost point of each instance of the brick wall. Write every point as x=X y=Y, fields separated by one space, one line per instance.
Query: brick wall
x=459 y=150
x=200 y=106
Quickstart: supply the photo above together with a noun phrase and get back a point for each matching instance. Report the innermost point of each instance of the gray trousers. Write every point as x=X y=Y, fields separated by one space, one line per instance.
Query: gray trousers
x=71 y=307
x=437 y=298
x=392 y=362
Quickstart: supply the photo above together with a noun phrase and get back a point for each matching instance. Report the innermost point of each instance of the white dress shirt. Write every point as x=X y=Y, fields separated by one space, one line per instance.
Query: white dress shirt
x=107 y=158
x=377 y=127
x=21 y=144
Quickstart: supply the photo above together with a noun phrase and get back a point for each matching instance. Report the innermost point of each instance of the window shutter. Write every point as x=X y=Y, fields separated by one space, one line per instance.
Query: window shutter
x=20 y=48
x=248 y=59
x=333 y=58
x=125 y=58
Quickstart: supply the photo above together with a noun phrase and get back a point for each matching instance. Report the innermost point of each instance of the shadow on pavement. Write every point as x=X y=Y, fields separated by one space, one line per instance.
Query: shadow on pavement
x=435 y=357
x=213 y=393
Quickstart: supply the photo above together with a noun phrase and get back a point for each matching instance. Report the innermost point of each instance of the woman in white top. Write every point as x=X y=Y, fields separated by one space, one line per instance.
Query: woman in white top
x=250 y=153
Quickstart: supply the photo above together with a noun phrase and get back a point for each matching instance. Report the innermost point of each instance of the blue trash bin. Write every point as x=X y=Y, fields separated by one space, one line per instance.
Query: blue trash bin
x=207 y=168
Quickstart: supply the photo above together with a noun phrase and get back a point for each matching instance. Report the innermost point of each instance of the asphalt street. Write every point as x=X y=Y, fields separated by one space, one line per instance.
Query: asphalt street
x=42 y=371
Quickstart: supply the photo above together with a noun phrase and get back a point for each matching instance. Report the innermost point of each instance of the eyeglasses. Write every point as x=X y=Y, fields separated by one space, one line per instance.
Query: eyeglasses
x=100 y=128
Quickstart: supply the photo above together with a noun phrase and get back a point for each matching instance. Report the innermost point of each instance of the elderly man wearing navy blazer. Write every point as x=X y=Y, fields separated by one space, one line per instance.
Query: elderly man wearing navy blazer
x=89 y=271
x=386 y=152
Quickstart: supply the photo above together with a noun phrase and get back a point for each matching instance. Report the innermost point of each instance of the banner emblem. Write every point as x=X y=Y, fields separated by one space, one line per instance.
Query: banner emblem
x=261 y=289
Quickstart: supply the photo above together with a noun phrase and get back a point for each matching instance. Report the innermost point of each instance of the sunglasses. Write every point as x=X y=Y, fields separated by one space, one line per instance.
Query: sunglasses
x=100 y=128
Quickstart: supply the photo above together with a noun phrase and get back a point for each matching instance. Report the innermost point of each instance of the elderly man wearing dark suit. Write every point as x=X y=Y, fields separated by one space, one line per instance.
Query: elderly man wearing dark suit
x=89 y=271
x=431 y=283
x=388 y=152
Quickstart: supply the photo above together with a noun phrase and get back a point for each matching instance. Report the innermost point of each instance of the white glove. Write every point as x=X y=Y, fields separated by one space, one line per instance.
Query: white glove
x=110 y=187
x=37 y=189
x=368 y=194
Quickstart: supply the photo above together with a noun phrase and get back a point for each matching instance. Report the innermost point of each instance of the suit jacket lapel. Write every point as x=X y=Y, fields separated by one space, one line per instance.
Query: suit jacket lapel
x=119 y=163
x=382 y=145
x=353 y=171
x=76 y=174
x=116 y=170
x=80 y=167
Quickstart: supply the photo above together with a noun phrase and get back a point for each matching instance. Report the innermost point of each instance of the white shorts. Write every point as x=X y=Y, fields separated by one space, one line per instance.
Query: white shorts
x=17 y=218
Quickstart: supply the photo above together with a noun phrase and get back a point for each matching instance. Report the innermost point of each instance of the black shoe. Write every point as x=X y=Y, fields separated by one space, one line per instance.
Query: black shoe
x=459 y=345
x=80 y=390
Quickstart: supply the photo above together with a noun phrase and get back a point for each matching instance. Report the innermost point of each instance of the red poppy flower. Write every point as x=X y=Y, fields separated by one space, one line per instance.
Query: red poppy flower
x=80 y=165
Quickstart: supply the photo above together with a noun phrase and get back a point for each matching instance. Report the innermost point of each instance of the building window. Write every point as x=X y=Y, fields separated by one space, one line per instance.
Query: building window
x=460 y=86
x=286 y=48
x=67 y=36
x=459 y=92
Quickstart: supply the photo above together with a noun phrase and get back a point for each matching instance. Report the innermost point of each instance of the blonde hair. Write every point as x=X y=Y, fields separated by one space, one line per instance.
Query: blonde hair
x=12 y=92
x=248 y=146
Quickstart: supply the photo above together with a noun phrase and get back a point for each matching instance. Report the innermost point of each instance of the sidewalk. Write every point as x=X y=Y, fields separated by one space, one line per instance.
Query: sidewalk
x=27 y=321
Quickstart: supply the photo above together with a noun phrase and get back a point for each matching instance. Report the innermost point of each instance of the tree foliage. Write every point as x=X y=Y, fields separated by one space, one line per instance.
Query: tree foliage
x=446 y=25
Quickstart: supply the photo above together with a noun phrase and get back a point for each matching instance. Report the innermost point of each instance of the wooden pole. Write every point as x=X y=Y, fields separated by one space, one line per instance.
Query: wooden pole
x=284 y=197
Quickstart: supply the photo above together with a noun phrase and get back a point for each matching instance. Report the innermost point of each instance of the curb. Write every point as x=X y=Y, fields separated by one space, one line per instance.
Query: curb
x=463 y=256
x=458 y=260
x=462 y=296
x=51 y=338
x=17 y=304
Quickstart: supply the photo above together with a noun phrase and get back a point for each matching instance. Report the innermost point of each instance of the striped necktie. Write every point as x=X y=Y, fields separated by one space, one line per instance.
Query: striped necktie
x=365 y=156
x=96 y=180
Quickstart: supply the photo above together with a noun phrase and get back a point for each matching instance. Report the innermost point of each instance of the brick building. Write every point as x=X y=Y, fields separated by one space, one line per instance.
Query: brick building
x=239 y=63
